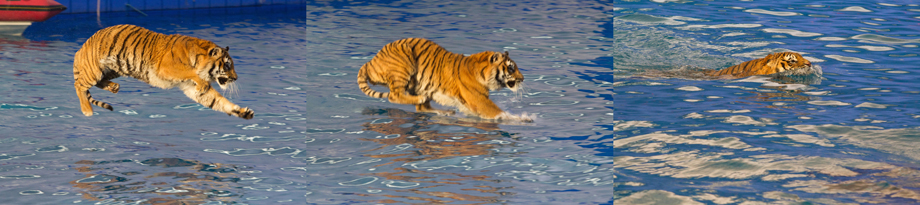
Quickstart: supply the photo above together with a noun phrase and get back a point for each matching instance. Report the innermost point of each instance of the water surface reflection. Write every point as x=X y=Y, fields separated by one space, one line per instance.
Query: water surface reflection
x=413 y=137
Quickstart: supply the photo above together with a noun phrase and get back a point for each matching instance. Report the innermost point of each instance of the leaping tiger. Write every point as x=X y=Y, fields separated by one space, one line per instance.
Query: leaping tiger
x=163 y=61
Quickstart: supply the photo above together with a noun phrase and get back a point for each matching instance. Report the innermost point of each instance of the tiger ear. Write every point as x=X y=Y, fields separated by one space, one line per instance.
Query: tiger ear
x=496 y=57
x=227 y=49
x=214 y=52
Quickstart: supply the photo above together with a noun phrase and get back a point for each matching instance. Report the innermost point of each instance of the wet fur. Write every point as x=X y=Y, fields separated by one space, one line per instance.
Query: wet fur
x=418 y=71
x=783 y=62
x=163 y=61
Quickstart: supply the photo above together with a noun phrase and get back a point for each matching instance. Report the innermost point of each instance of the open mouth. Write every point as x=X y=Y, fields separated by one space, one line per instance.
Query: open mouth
x=222 y=81
x=511 y=84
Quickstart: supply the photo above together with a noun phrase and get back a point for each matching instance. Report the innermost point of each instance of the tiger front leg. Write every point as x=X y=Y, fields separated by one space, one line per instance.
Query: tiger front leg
x=212 y=99
x=482 y=106
x=202 y=85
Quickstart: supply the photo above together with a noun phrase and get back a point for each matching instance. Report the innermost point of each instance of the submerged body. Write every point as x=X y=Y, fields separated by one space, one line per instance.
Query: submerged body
x=418 y=71
x=784 y=62
x=163 y=61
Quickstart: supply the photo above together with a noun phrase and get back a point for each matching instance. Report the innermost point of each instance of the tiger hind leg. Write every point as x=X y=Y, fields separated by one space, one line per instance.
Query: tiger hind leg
x=426 y=107
x=83 y=95
x=108 y=85
x=399 y=95
x=86 y=100
x=86 y=80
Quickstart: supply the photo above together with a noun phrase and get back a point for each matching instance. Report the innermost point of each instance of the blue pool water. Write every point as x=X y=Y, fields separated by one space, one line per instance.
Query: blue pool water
x=316 y=138
x=850 y=138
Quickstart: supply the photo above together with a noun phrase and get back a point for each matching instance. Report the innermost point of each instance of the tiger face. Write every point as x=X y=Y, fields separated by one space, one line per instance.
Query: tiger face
x=791 y=61
x=221 y=68
x=508 y=75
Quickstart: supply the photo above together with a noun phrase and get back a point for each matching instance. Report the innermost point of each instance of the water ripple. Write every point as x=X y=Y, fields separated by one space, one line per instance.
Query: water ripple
x=872 y=105
x=556 y=102
x=359 y=182
x=399 y=184
x=689 y=88
x=869 y=48
x=849 y=59
x=775 y=13
x=652 y=20
x=791 y=32
x=855 y=8
x=874 y=38
x=31 y=192
x=719 y=26
x=4 y=106
x=58 y=148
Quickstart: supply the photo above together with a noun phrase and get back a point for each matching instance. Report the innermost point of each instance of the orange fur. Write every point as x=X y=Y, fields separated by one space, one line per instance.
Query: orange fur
x=163 y=61
x=418 y=71
x=773 y=63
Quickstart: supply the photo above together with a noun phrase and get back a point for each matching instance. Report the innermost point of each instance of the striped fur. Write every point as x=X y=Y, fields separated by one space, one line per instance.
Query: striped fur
x=163 y=61
x=773 y=63
x=418 y=71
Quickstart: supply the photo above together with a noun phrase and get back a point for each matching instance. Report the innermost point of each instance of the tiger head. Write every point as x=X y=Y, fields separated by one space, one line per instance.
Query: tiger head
x=505 y=71
x=219 y=66
x=789 y=63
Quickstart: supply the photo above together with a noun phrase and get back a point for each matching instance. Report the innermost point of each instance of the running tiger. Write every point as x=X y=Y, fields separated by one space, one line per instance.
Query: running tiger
x=418 y=71
x=163 y=61
x=786 y=63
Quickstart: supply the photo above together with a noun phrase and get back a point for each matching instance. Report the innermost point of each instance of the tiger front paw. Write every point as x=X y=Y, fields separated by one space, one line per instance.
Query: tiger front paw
x=422 y=99
x=444 y=112
x=521 y=118
x=526 y=119
x=449 y=112
x=244 y=113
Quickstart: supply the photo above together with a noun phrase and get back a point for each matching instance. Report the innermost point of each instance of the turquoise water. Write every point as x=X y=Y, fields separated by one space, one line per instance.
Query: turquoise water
x=849 y=137
x=315 y=138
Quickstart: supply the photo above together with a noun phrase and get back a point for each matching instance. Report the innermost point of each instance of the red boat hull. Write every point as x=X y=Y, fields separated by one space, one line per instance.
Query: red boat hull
x=29 y=10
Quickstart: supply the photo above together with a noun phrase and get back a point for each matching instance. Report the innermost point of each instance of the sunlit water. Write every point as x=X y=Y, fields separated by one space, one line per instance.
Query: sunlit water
x=316 y=138
x=850 y=138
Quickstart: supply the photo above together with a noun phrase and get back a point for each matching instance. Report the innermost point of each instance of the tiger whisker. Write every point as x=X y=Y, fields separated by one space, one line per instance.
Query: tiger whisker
x=231 y=90
x=519 y=93
x=224 y=90
x=236 y=89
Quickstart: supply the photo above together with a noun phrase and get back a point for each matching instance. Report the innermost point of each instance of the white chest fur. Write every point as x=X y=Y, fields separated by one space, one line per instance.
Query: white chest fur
x=447 y=100
x=154 y=80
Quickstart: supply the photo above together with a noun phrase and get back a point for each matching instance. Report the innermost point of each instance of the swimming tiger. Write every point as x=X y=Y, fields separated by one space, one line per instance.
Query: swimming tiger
x=163 y=61
x=418 y=71
x=789 y=63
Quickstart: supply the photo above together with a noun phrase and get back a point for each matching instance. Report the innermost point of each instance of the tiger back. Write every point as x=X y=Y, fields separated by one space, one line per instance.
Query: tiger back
x=774 y=63
x=163 y=61
x=418 y=71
